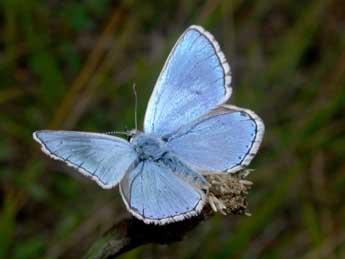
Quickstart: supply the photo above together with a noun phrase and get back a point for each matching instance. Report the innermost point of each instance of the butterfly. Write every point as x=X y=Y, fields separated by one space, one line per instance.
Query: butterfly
x=189 y=132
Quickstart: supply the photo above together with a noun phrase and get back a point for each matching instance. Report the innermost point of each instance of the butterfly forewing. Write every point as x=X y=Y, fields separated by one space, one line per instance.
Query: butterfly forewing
x=195 y=79
x=101 y=157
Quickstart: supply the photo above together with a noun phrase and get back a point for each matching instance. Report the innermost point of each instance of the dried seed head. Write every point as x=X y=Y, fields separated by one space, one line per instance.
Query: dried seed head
x=228 y=194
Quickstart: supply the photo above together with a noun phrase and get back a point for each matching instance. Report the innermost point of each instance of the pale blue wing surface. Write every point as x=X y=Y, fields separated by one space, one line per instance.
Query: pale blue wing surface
x=184 y=172
x=102 y=157
x=223 y=141
x=194 y=79
x=154 y=194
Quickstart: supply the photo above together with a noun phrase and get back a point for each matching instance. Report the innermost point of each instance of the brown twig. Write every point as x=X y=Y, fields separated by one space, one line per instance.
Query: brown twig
x=227 y=195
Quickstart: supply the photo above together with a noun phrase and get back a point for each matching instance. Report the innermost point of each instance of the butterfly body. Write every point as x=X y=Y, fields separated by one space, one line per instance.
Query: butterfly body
x=153 y=148
x=189 y=132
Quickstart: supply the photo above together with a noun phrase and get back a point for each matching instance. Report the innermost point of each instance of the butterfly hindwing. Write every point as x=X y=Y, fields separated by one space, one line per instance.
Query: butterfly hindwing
x=154 y=194
x=194 y=79
x=102 y=157
x=225 y=140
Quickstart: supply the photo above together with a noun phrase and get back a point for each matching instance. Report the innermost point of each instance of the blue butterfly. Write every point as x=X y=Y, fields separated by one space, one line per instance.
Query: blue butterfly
x=188 y=132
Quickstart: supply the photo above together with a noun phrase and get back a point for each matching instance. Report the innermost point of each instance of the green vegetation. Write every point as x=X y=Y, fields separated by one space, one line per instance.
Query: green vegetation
x=71 y=65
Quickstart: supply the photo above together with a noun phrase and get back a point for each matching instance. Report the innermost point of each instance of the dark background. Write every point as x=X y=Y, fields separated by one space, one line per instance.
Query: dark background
x=71 y=65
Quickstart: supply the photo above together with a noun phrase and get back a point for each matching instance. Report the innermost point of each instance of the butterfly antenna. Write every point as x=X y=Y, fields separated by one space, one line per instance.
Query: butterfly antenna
x=117 y=133
x=136 y=106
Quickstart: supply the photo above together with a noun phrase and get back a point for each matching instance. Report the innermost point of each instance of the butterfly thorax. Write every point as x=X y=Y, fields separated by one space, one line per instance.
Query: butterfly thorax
x=148 y=147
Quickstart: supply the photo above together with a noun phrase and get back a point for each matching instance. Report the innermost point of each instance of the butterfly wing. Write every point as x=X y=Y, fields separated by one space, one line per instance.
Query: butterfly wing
x=225 y=140
x=194 y=79
x=103 y=158
x=154 y=194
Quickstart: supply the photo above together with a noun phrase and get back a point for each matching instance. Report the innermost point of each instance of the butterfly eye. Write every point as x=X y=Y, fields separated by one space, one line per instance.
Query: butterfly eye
x=131 y=133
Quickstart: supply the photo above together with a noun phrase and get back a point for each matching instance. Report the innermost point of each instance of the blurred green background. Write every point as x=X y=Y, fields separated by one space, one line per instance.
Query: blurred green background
x=71 y=65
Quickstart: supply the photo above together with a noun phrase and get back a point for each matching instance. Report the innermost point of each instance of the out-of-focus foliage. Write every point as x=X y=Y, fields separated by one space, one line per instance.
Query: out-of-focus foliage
x=71 y=65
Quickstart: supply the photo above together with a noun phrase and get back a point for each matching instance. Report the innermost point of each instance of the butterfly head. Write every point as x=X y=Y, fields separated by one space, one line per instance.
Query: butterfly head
x=131 y=133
